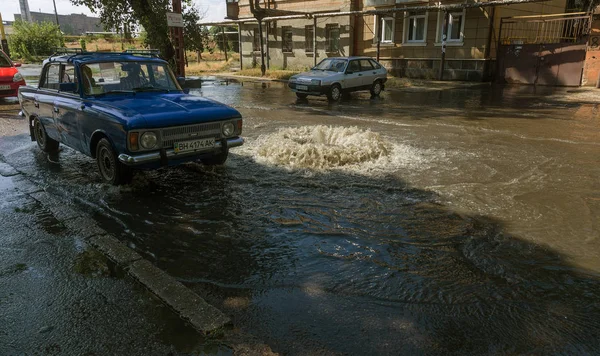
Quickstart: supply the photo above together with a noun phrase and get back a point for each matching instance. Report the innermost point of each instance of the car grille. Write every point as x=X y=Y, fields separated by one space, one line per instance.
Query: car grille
x=171 y=135
x=6 y=92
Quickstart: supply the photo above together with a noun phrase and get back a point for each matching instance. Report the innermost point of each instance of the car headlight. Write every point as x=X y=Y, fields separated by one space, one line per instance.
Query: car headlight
x=17 y=77
x=315 y=82
x=228 y=129
x=148 y=140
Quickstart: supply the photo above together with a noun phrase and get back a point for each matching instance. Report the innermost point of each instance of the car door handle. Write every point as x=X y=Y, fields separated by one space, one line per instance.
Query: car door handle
x=360 y=75
x=56 y=109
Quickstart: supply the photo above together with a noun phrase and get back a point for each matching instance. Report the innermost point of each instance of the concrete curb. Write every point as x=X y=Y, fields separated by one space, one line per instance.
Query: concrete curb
x=183 y=301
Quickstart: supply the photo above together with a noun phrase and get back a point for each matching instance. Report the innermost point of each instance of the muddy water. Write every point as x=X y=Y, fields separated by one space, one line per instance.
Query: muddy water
x=426 y=222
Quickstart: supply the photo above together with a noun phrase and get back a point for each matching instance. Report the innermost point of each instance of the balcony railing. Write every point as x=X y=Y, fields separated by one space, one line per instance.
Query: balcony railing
x=380 y=2
x=557 y=28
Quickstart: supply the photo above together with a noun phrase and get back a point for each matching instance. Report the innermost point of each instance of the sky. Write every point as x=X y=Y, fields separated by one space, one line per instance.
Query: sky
x=214 y=9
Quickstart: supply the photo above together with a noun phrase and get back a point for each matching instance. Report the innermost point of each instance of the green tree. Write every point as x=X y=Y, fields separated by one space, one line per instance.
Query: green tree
x=32 y=39
x=217 y=33
x=150 y=14
x=193 y=35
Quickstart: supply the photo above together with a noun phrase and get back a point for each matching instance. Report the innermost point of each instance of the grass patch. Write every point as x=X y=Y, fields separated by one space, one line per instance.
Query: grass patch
x=395 y=82
x=272 y=74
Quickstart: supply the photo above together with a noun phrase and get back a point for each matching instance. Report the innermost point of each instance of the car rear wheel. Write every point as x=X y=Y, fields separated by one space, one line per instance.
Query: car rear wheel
x=216 y=160
x=376 y=88
x=44 y=142
x=335 y=93
x=301 y=95
x=111 y=170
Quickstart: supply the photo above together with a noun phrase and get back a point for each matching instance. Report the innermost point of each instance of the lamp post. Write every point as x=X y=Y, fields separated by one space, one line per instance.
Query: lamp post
x=56 y=14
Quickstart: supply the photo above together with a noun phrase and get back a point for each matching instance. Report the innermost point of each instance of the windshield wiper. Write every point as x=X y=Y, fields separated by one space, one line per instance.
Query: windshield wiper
x=150 y=89
x=114 y=92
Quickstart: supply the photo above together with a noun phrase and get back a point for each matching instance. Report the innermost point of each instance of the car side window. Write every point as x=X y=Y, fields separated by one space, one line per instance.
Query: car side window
x=70 y=76
x=375 y=64
x=51 y=79
x=365 y=65
x=353 y=67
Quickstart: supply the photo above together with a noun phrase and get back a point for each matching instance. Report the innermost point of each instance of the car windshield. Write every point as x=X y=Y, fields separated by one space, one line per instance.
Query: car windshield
x=127 y=77
x=333 y=65
x=4 y=61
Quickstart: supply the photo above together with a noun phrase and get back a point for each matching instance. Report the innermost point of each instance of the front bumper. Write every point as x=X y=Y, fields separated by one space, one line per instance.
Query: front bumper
x=167 y=155
x=13 y=91
x=312 y=89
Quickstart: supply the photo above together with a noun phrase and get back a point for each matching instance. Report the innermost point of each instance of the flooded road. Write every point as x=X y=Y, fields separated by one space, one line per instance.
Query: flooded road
x=459 y=221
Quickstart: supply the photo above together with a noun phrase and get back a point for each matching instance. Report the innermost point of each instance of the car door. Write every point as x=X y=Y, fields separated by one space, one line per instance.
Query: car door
x=369 y=74
x=352 y=77
x=67 y=109
x=43 y=100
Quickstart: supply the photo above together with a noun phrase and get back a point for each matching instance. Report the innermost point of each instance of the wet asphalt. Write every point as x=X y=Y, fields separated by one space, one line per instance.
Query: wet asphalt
x=434 y=220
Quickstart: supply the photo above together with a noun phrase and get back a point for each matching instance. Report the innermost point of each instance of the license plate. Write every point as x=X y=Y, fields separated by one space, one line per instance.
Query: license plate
x=301 y=87
x=194 y=145
x=4 y=87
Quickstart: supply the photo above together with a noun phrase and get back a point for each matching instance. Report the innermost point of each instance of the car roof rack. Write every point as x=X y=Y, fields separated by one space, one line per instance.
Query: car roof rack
x=143 y=52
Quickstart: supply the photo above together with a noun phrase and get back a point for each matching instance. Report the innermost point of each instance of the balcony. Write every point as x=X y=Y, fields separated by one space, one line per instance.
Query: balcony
x=233 y=10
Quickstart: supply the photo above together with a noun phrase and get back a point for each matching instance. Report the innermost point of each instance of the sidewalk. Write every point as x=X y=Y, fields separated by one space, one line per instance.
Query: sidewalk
x=58 y=295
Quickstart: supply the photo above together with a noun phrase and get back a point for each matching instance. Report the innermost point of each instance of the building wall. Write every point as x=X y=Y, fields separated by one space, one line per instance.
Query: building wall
x=79 y=23
x=298 y=58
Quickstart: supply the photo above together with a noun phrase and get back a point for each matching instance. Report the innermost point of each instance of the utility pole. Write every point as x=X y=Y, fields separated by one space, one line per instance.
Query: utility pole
x=56 y=14
x=444 y=37
x=177 y=36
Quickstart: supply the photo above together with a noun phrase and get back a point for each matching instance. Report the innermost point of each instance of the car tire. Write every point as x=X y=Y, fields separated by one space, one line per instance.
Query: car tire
x=376 y=88
x=44 y=142
x=335 y=93
x=301 y=95
x=216 y=160
x=111 y=170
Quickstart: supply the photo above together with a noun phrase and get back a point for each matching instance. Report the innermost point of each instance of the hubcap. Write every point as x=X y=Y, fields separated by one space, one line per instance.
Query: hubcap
x=335 y=93
x=106 y=164
x=377 y=88
x=39 y=133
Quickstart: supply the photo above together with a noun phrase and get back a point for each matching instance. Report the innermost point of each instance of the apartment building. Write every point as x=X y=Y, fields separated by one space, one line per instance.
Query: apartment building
x=406 y=36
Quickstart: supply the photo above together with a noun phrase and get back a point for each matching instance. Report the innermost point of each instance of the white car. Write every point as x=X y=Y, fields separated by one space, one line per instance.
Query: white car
x=337 y=75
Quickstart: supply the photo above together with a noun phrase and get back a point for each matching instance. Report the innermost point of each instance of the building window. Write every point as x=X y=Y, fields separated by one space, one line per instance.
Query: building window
x=308 y=38
x=415 y=27
x=387 y=29
x=256 y=41
x=333 y=37
x=456 y=26
x=286 y=39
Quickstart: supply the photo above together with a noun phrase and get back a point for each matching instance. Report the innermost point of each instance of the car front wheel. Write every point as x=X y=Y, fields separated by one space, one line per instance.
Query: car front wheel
x=44 y=142
x=376 y=88
x=216 y=160
x=335 y=93
x=111 y=170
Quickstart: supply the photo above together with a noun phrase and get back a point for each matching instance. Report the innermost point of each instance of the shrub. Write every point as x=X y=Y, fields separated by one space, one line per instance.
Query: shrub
x=32 y=39
x=82 y=44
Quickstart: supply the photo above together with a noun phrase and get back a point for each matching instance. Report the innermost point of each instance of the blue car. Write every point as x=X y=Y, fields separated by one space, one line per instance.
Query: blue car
x=128 y=111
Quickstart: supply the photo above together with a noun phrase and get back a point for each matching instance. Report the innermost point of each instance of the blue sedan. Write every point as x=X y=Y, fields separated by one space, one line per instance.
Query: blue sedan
x=128 y=111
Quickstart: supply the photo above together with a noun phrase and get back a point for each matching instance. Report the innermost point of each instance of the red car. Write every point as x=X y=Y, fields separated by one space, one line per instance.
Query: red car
x=10 y=78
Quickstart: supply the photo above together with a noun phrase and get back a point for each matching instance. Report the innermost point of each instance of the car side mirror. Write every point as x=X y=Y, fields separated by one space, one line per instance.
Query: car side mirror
x=181 y=81
x=68 y=87
x=17 y=64
x=186 y=90
x=349 y=72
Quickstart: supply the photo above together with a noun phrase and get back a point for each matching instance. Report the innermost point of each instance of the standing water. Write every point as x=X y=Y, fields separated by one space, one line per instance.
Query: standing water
x=426 y=222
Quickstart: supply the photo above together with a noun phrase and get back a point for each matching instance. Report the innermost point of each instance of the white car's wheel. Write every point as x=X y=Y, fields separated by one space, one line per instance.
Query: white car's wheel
x=335 y=93
x=376 y=88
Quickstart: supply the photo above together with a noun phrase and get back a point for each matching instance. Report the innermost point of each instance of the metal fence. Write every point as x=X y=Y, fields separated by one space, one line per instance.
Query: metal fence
x=558 y=28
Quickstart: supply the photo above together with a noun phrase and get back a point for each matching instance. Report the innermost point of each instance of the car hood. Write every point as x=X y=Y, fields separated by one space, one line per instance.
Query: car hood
x=313 y=74
x=163 y=110
x=7 y=73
